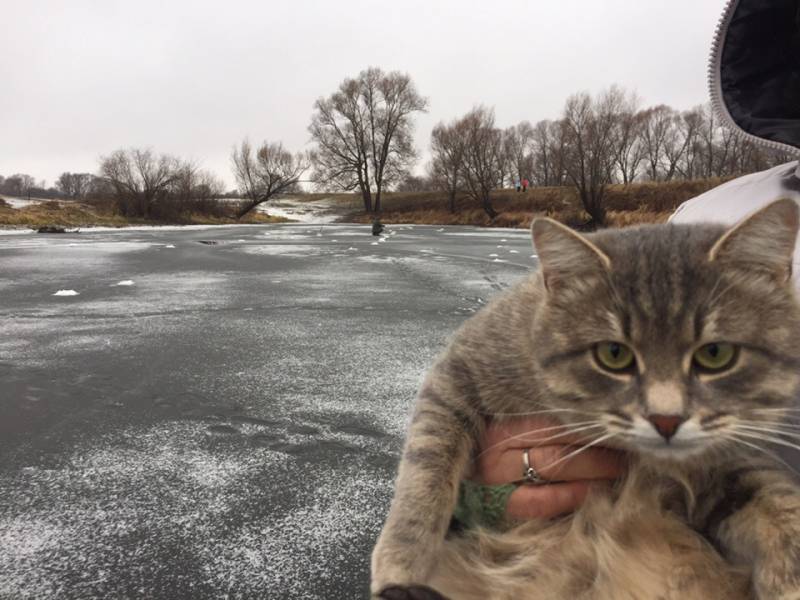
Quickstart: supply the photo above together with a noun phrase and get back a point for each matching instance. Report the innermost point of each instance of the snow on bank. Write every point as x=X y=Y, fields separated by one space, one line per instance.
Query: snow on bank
x=22 y=202
x=315 y=211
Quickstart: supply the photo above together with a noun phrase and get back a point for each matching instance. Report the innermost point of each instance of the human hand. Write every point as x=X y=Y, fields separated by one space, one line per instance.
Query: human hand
x=500 y=461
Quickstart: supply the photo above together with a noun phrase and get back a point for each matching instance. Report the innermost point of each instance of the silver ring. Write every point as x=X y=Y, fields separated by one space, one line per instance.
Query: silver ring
x=529 y=474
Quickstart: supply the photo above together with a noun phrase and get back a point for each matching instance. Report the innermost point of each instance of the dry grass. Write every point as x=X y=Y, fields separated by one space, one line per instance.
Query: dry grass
x=75 y=214
x=626 y=204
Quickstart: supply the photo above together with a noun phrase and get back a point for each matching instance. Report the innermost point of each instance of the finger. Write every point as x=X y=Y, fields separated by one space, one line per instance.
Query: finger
x=550 y=463
x=546 y=501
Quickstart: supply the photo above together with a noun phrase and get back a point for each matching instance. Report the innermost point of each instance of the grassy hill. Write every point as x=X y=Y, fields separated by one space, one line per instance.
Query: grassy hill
x=626 y=204
x=78 y=214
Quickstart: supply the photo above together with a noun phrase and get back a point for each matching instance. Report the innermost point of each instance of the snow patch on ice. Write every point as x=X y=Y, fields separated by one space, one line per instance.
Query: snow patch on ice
x=282 y=250
x=15 y=231
x=171 y=485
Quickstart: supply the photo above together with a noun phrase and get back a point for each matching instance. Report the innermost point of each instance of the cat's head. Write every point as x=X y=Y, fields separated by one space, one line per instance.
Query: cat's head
x=671 y=340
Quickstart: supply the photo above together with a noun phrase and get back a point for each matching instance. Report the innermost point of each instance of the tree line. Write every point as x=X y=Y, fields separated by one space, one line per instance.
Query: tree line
x=362 y=141
x=597 y=141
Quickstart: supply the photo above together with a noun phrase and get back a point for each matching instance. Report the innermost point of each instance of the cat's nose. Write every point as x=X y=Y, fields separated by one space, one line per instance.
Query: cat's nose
x=666 y=425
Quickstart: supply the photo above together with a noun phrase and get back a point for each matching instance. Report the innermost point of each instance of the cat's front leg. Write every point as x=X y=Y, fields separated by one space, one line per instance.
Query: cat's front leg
x=437 y=451
x=760 y=526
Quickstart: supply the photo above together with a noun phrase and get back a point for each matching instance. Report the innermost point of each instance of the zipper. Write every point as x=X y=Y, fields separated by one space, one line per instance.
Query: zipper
x=715 y=87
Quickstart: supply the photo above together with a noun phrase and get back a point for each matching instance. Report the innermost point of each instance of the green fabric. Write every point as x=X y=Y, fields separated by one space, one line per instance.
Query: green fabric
x=482 y=505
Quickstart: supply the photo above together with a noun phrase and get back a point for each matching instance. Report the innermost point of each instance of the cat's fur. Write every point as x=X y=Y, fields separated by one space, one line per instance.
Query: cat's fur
x=703 y=517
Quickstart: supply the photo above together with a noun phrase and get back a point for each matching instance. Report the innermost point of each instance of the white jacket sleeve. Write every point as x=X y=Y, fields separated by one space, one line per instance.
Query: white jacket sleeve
x=734 y=200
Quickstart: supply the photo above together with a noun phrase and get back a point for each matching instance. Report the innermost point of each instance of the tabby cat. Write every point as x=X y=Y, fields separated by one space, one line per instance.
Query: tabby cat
x=693 y=325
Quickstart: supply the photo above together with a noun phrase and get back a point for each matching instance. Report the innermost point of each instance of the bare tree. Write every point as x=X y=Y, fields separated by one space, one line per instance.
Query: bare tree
x=363 y=134
x=483 y=156
x=676 y=144
x=338 y=129
x=548 y=153
x=267 y=173
x=18 y=184
x=627 y=146
x=690 y=122
x=139 y=178
x=517 y=145
x=74 y=185
x=447 y=163
x=414 y=183
x=589 y=127
x=656 y=124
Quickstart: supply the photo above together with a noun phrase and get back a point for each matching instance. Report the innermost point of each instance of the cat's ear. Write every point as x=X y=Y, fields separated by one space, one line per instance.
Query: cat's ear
x=764 y=241
x=564 y=254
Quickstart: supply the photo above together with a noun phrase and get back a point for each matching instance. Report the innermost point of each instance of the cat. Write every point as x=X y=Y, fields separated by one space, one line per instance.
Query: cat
x=696 y=326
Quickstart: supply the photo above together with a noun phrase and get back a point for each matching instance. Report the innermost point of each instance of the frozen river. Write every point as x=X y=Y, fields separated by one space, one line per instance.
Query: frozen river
x=218 y=412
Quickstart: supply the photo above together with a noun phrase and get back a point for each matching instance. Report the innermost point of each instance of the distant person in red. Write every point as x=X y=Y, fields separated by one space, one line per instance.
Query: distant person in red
x=525 y=184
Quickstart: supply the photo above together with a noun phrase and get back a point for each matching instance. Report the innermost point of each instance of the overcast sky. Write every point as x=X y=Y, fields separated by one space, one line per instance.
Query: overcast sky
x=79 y=79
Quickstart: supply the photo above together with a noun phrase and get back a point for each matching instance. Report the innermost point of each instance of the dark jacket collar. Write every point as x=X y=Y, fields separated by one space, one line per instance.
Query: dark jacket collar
x=754 y=71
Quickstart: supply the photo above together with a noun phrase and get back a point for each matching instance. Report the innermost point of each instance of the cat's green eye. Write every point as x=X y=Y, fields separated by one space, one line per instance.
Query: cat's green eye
x=715 y=357
x=614 y=356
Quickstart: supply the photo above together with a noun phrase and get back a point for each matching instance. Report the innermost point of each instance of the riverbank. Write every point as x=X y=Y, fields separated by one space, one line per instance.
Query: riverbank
x=631 y=204
x=71 y=214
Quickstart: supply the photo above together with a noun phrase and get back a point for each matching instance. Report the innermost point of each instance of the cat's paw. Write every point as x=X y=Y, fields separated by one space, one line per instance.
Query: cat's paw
x=412 y=592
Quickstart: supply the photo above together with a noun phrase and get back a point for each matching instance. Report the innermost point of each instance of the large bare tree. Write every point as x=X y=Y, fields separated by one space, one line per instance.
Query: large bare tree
x=266 y=173
x=363 y=134
x=483 y=156
x=139 y=178
x=589 y=125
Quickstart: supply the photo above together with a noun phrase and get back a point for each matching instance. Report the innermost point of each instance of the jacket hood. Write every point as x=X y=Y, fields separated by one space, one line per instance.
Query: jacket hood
x=754 y=71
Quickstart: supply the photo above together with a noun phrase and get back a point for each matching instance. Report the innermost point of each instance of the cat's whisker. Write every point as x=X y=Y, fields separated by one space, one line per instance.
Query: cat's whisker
x=765 y=423
x=575 y=428
x=570 y=429
x=769 y=439
x=769 y=453
x=774 y=419
x=554 y=475
x=581 y=449
x=538 y=441
x=771 y=429
x=530 y=413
